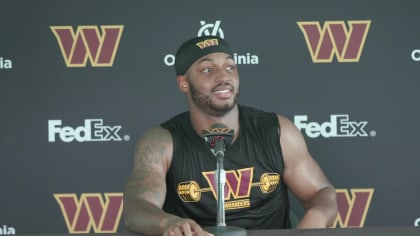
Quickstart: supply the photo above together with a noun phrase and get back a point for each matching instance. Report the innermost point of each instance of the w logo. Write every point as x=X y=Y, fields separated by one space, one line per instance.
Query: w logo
x=352 y=210
x=238 y=185
x=91 y=211
x=335 y=39
x=88 y=43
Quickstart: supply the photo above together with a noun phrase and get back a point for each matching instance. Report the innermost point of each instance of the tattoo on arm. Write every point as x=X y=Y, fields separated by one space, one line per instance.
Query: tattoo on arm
x=150 y=161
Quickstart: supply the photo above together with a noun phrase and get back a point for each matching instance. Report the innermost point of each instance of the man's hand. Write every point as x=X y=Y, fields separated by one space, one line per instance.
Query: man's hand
x=175 y=226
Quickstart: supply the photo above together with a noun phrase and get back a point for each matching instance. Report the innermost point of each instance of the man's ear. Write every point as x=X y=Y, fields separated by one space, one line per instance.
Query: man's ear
x=183 y=83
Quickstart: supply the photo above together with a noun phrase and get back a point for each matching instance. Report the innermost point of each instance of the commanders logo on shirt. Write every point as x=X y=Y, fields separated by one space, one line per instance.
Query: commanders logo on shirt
x=237 y=188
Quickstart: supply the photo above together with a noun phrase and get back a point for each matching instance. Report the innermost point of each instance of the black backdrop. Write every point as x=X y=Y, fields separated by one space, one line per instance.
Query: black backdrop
x=54 y=178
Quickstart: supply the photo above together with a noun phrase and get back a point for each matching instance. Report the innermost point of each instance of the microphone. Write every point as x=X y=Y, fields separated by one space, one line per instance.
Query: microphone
x=218 y=137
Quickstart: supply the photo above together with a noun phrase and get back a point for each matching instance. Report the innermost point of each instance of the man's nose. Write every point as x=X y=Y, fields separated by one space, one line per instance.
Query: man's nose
x=222 y=75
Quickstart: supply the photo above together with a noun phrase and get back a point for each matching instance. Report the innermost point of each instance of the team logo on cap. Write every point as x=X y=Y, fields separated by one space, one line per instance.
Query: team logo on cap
x=207 y=43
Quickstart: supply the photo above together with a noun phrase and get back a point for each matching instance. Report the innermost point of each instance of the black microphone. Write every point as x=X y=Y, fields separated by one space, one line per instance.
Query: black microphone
x=218 y=137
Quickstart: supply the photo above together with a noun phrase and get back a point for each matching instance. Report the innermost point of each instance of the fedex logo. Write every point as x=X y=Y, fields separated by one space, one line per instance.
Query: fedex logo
x=93 y=130
x=337 y=126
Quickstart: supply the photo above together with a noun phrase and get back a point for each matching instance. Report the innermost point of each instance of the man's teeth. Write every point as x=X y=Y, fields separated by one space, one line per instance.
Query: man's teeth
x=222 y=91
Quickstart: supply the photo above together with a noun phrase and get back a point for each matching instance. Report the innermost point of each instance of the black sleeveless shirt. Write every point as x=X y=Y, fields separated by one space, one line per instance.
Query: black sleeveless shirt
x=255 y=195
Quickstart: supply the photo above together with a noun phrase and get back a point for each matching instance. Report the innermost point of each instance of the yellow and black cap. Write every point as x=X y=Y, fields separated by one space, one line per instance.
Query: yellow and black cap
x=197 y=47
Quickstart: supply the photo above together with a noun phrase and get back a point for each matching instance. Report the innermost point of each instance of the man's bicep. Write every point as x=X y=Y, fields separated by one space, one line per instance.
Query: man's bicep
x=151 y=162
x=302 y=174
x=305 y=179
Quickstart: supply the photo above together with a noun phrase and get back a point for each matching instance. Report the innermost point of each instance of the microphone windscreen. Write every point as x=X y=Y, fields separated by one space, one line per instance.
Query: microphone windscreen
x=218 y=128
x=218 y=133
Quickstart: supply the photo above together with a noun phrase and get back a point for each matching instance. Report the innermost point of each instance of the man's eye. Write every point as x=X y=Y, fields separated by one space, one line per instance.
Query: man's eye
x=230 y=68
x=207 y=70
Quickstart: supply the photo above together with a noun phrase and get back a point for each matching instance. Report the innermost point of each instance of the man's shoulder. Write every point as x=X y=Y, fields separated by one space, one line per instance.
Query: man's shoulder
x=176 y=119
x=258 y=118
x=255 y=112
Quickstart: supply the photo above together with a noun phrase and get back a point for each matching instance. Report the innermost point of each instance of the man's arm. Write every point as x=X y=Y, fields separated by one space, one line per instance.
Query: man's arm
x=305 y=179
x=145 y=190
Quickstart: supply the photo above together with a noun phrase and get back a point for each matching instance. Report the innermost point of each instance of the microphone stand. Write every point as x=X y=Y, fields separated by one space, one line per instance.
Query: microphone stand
x=221 y=229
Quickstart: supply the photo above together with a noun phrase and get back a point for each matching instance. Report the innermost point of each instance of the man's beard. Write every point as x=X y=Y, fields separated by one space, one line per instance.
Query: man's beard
x=203 y=101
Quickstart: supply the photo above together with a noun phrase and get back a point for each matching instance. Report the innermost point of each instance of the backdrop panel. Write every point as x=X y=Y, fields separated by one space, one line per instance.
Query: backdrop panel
x=81 y=80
